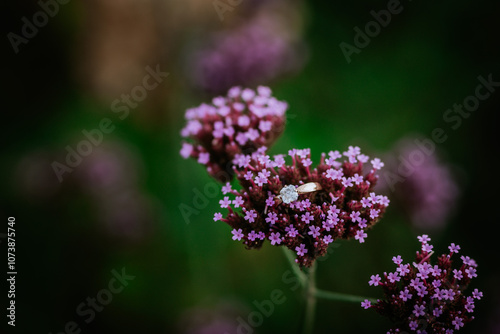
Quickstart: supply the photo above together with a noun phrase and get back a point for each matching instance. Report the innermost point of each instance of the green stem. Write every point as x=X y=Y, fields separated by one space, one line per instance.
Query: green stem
x=310 y=301
x=295 y=268
x=341 y=296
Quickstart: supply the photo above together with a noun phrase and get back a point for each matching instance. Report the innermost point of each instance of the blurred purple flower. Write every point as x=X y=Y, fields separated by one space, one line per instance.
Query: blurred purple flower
x=218 y=319
x=107 y=180
x=423 y=185
x=110 y=168
x=254 y=53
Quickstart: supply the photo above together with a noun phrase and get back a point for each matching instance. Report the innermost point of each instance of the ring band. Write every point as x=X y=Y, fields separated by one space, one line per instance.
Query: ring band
x=309 y=187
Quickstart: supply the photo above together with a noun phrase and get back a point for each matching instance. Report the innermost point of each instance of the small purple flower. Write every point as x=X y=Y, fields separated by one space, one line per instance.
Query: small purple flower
x=252 y=235
x=307 y=217
x=415 y=283
x=204 y=158
x=328 y=239
x=270 y=200
x=366 y=304
x=422 y=291
x=397 y=259
x=357 y=179
x=468 y=261
x=427 y=248
x=360 y=236
x=355 y=216
x=237 y=234
x=306 y=162
x=334 y=174
x=477 y=294
x=366 y=202
x=405 y=295
x=457 y=274
x=275 y=238
x=454 y=248
x=437 y=312
x=377 y=164
x=314 y=231
x=227 y=188
x=301 y=250
x=250 y=216
x=272 y=218
x=469 y=307
x=259 y=180
x=375 y=280
x=363 y=158
x=436 y=283
x=265 y=126
x=186 y=150
x=238 y=201
x=347 y=182
x=436 y=271
x=403 y=269
x=224 y=203
x=393 y=277
x=471 y=272
x=374 y=213
x=424 y=238
x=424 y=270
x=458 y=322
x=292 y=231
x=419 y=310
x=217 y=216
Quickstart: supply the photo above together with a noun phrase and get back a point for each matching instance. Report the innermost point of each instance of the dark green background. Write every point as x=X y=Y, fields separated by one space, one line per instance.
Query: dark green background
x=426 y=60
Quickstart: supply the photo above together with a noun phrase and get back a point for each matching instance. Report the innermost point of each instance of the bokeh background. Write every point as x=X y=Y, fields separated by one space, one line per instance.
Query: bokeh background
x=119 y=208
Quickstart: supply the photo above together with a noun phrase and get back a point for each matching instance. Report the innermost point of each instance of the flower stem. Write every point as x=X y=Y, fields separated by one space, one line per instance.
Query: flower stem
x=310 y=301
x=295 y=268
x=341 y=296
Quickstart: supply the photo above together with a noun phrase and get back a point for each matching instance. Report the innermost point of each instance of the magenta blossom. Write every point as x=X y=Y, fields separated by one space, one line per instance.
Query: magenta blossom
x=427 y=298
x=305 y=223
x=239 y=123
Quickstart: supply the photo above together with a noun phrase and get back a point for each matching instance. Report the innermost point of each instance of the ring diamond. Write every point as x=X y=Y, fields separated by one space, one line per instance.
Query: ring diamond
x=289 y=193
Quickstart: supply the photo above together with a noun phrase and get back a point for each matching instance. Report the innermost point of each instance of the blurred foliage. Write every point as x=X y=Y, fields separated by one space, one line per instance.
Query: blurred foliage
x=424 y=61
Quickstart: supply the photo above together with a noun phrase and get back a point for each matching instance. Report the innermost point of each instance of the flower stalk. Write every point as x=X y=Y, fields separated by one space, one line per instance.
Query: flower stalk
x=310 y=301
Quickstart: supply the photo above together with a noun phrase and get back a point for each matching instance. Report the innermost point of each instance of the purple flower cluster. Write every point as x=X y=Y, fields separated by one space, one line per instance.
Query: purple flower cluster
x=246 y=56
x=345 y=206
x=239 y=123
x=427 y=298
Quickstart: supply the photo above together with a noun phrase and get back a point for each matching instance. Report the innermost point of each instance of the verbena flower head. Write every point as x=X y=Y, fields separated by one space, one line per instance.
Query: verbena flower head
x=344 y=208
x=422 y=297
x=241 y=122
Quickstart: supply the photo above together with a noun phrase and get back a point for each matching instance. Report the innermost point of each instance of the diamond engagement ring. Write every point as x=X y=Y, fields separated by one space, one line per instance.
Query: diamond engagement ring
x=290 y=194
